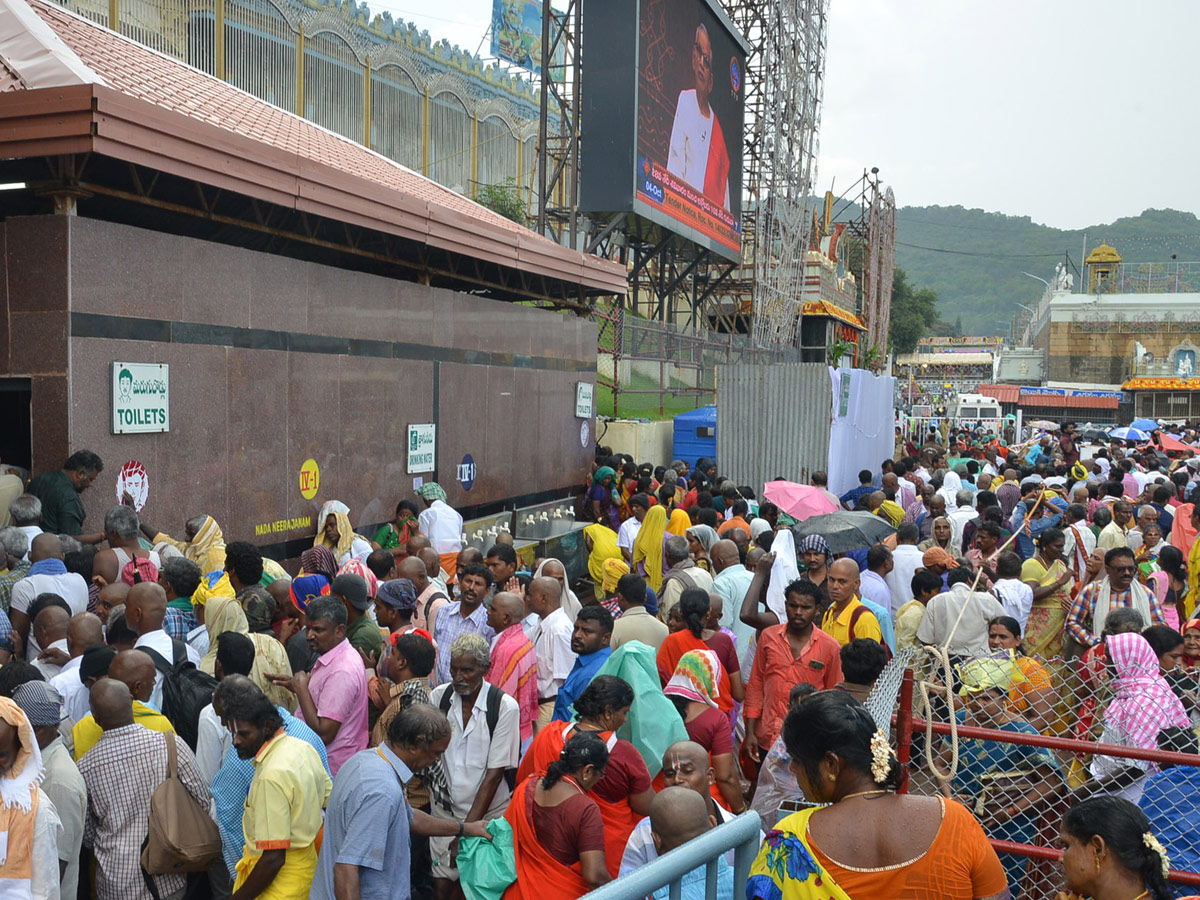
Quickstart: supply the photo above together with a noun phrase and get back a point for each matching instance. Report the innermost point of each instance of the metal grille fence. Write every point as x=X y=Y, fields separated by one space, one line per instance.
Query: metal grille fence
x=381 y=87
x=651 y=369
x=1020 y=781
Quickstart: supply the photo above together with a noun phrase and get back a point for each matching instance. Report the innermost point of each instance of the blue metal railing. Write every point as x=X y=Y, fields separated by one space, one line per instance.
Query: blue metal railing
x=741 y=835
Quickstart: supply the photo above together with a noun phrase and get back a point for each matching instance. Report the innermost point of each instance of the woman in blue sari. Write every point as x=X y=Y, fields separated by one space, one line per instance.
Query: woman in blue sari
x=600 y=505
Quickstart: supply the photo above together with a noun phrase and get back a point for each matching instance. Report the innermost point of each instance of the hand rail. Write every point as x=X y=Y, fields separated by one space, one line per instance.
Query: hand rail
x=741 y=835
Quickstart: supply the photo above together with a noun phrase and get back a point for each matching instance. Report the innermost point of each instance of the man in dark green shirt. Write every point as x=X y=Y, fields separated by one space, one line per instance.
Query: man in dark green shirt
x=361 y=631
x=62 y=510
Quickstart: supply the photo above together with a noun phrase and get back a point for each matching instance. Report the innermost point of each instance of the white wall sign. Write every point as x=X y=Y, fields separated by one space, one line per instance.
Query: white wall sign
x=422 y=448
x=141 y=401
x=584 y=393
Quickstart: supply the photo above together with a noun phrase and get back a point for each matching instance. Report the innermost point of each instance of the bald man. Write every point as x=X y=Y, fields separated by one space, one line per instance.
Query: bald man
x=514 y=661
x=731 y=580
x=121 y=773
x=677 y=816
x=552 y=641
x=46 y=554
x=84 y=631
x=847 y=618
x=685 y=764
x=145 y=610
x=50 y=629
x=136 y=671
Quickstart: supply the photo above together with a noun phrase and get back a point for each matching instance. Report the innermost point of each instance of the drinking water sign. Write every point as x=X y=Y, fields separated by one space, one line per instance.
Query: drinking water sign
x=141 y=402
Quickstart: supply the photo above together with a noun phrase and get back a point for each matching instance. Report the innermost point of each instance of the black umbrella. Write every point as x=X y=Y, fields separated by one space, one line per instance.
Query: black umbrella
x=845 y=531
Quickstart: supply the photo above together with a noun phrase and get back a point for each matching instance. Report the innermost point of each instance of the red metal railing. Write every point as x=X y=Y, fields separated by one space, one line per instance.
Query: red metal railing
x=907 y=724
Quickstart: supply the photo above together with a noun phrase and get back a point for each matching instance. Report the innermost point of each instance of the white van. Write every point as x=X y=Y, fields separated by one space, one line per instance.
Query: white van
x=977 y=406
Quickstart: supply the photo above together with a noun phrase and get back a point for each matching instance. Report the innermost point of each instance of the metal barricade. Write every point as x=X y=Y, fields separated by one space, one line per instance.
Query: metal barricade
x=741 y=835
x=1014 y=784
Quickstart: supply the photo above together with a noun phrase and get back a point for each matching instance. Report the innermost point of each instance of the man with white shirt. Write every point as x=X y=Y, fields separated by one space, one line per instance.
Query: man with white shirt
x=1014 y=595
x=145 y=609
x=639 y=504
x=26 y=514
x=84 y=631
x=697 y=153
x=963 y=513
x=50 y=630
x=47 y=575
x=552 y=642
x=235 y=656
x=1079 y=541
x=441 y=524
x=906 y=559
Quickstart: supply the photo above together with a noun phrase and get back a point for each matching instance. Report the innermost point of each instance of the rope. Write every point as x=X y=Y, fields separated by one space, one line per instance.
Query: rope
x=942 y=654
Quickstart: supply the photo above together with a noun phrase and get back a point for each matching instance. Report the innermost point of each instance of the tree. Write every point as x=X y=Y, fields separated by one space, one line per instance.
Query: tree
x=503 y=198
x=914 y=314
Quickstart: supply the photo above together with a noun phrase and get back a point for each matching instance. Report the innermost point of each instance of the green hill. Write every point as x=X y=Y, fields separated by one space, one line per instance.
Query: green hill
x=974 y=259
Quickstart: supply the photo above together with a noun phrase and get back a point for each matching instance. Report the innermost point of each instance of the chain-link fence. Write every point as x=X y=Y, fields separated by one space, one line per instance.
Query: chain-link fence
x=1020 y=760
x=652 y=369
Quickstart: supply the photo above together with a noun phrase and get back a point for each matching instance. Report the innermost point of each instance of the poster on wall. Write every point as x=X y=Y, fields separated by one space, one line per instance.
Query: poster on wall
x=141 y=402
x=517 y=36
x=133 y=481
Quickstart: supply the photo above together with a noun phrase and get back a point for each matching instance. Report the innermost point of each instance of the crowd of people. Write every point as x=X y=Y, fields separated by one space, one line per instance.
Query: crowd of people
x=397 y=715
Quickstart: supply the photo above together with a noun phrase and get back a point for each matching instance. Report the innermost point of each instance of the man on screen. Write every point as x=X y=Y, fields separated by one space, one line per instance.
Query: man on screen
x=698 y=154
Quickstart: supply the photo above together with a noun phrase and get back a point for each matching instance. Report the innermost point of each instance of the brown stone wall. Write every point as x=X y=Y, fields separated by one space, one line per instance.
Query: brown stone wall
x=1102 y=358
x=274 y=361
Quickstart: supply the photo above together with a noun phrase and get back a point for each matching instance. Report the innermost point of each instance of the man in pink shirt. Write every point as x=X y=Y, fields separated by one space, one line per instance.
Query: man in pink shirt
x=333 y=698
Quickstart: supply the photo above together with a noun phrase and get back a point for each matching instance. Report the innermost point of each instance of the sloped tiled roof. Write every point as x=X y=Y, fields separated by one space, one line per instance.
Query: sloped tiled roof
x=232 y=133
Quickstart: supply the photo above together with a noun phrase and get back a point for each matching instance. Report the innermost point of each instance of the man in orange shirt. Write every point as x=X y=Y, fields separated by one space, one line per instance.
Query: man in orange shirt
x=788 y=654
x=740 y=510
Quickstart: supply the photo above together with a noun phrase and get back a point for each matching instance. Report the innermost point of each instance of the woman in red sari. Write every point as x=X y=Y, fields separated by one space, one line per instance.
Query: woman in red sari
x=625 y=793
x=693 y=608
x=558 y=832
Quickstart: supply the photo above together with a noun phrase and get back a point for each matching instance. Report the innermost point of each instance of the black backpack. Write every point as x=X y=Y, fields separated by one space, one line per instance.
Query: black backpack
x=495 y=695
x=185 y=690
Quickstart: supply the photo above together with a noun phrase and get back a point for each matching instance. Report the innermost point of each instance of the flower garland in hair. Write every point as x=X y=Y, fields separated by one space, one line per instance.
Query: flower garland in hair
x=1153 y=843
x=881 y=757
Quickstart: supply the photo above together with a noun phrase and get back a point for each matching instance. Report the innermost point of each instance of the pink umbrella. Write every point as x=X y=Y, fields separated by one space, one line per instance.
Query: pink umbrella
x=800 y=501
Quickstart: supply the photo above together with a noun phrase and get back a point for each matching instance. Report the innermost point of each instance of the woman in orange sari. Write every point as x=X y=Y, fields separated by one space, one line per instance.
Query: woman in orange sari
x=693 y=609
x=558 y=832
x=625 y=792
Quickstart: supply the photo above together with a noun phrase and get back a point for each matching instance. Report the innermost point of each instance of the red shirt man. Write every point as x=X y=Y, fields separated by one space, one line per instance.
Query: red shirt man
x=788 y=654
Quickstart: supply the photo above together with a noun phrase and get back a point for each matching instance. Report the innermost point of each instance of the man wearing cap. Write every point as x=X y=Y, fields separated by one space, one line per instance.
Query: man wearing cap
x=61 y=782
x=441 y=524
x=395 y=605
x=362 y=633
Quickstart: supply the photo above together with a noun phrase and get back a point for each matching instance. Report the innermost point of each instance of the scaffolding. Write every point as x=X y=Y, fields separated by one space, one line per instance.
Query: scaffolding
x=785 y=77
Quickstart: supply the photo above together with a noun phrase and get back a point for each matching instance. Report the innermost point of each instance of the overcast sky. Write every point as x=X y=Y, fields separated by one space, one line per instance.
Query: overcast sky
x=1073 y=112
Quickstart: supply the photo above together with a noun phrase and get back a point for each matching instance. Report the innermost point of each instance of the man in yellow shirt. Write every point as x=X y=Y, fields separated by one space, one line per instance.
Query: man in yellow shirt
x=284 y=808
x=136 y=671
x=847 y=618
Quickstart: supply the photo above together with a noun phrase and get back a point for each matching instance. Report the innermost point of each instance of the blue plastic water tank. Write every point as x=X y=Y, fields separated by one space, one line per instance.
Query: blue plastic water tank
x=696 y=435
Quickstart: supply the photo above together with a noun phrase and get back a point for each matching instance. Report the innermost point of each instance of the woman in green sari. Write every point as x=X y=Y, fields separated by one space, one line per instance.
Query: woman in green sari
x=394 y=535
x=869 y=841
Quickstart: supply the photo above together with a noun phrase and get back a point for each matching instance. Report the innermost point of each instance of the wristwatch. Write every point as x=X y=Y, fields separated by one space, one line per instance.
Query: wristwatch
x=461 y=829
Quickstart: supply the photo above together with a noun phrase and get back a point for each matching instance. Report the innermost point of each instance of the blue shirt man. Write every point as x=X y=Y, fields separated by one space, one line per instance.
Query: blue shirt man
x=589 y=643
x=1025 y=541
x=231 y=786
x=368 y=824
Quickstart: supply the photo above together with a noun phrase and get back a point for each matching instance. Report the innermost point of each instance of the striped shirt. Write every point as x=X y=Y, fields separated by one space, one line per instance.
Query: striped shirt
x=121 y=772
x=448 y=626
